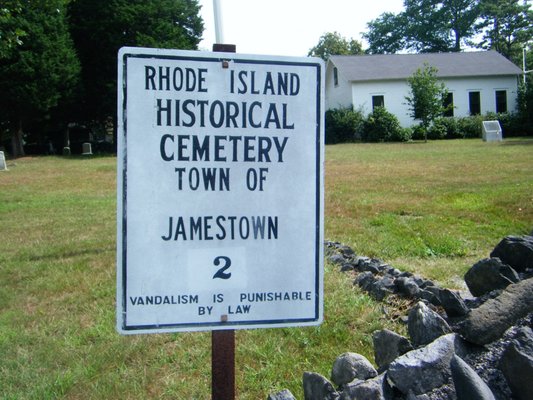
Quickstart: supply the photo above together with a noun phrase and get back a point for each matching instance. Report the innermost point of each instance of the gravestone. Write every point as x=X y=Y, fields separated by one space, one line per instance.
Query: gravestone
x=87 y=149
x=492 y=131
x=3 y=165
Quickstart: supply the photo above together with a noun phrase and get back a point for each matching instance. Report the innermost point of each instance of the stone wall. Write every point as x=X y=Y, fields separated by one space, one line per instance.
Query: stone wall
x=459 y=347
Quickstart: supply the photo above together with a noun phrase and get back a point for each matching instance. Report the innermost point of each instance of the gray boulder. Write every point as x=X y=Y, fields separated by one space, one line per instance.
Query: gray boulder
x=388 y=346
x=453 y=304
x=372 y=389
x=365 y=280
x=517 y=364
x=422 y=370
x=407 y=286
x=282 y=395
x=350 y=366
x=425 y=325
x=488 y=275
x=489 y=321
x=316 y=387
x=468 y=384
x=515 y=251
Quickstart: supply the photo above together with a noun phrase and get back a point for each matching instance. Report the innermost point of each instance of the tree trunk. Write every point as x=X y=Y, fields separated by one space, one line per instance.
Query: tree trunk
x=17 y=143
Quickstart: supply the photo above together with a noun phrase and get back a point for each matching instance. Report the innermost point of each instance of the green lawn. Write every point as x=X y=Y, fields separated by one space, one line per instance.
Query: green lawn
x=433 y=208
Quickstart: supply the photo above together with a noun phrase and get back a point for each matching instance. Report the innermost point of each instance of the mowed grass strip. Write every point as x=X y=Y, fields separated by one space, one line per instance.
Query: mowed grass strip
x=432 y=208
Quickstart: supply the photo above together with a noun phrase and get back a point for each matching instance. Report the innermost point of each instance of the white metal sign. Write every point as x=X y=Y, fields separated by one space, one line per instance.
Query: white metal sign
x=220 y=191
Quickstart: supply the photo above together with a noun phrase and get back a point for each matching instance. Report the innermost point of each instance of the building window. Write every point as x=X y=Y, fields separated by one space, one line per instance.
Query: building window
x=447 y=102
x=335 y=76
x=378 y=101
x=501 y=101
x=474 y=100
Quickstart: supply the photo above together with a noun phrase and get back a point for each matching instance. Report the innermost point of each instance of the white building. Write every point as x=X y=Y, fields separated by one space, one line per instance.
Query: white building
x=478 y=82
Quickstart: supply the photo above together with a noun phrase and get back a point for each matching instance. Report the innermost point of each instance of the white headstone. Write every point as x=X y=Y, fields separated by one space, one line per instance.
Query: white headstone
x=86 y=149
x=3 y=166
x=492 y=131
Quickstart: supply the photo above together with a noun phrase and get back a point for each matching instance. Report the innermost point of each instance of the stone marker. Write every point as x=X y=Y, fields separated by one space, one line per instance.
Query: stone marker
x=87 y=149
x=66 y=151
x=3 y=165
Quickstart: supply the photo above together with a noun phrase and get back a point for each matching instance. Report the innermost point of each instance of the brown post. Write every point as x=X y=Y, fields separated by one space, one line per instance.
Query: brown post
x=223 y=365
x=223 y=342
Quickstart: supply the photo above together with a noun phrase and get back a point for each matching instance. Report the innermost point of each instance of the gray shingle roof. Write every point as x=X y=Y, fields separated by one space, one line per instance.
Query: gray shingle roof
x=402 y=66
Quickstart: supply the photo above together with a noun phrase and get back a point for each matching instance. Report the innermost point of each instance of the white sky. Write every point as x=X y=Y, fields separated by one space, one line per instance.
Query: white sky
x=289 y=27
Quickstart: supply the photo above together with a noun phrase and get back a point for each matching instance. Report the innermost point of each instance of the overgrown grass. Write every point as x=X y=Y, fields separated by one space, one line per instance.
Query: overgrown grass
x=431 y=208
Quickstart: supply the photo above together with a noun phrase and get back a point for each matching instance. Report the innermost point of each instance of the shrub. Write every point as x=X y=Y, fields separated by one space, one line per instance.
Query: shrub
x=512 y=123
x=418 y=132
x=343 y=125
x=452 y=127
x=381 y=126
x=402 y=135
x=437 y=130
x=470 y=127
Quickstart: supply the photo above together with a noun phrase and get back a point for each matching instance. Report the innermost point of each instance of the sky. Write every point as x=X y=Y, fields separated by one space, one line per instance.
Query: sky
x=289 y=27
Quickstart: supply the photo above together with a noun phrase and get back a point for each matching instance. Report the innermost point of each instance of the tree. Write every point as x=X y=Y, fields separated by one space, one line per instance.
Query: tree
x=39 y=72
x=426 y=97
x=386 y=34
x=331 y=44
x=424 y=26
x=507 y=26
x=10 y=33
x=101 y=27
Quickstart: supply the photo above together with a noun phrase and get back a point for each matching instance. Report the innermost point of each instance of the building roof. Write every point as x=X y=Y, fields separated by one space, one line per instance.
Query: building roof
x=402 y=66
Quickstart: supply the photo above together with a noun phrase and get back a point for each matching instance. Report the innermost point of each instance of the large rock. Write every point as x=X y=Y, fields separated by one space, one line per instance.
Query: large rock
x=282 y=395
x=425 y=325
x=489 y=321
x=350 y=366
x=488 y=275
x=515 y=251
x=517 y=364
x=316 y=387
x=453 y=304
x=424 y=369
x=371 y=389
x=388 y=346
x=468 y=384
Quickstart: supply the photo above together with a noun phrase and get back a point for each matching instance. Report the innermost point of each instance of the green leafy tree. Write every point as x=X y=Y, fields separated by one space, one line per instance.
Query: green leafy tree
x=334 y=43
x=101 y=27
x=424 y=26
x=425 y=99
x=386 y=34
x=507 y=27
x=10 y=33
x=40 y=71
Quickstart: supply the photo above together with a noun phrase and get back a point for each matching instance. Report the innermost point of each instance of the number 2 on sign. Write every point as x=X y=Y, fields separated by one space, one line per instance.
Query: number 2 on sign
x=226 y=264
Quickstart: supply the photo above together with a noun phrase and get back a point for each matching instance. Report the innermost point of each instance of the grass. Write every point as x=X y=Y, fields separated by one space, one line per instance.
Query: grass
x=432 y=208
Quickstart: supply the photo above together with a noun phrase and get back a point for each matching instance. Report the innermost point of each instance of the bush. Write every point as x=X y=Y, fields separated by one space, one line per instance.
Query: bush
x=437 y=130
x=418 y=132
x=343 y=125
x=382 y=126
x=470 y=127
x=452 y=127
x=512 y=124
x=401 y=135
